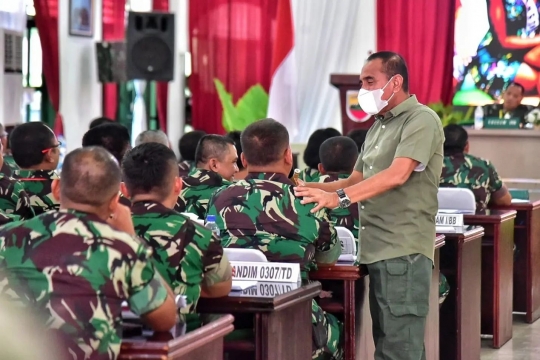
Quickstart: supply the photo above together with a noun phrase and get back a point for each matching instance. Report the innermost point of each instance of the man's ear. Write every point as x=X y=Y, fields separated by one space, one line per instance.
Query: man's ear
x=55 y=187
x=243 y=159
x=466 y=150
x=288 y=156
x=178 y=184
x=321 y=169
x=113 y=203
x=212 y=164
x=48 y=156
x=124 y=190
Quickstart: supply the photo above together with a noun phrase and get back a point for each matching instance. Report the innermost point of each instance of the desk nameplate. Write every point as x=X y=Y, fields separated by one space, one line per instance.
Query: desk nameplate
x=266 y=289
x=443 y=219
x=266 y=271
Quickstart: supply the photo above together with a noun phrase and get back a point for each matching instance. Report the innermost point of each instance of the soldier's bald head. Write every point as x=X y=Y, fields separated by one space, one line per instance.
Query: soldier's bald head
x=264 y=142
x=90 y=176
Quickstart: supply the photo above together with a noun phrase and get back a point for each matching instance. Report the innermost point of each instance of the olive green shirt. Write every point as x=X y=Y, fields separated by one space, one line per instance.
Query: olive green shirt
x=401 y=221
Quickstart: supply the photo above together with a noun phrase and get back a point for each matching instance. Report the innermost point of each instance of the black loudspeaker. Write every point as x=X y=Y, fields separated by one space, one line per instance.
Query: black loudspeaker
x=111 y=60
x=150 y=46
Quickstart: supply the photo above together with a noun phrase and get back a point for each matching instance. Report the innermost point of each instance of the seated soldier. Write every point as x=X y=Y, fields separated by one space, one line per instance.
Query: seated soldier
x=13 y=198
x=242 y=171
x=261 y=212
x=114 y=138
x=338 y=157
x=511 y=107
x=215 y=159
x=36 y=151
x=186 y=254
x=9 y=165
x=152 y=136
x=77 y=265
x=187 y=146
x=311 y=153
x=463 y=170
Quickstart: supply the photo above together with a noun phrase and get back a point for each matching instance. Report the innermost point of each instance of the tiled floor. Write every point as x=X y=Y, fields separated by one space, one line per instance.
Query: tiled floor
x=525 y=343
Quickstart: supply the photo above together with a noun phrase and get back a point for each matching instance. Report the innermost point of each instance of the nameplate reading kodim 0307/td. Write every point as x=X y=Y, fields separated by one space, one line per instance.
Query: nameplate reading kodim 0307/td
x=266 y=271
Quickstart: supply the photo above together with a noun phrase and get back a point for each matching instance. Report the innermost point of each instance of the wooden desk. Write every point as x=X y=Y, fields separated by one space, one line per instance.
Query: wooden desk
x=282 y=323
x=349 y=274
x=459 y=329
x=366 y=348
x=497 y=272
x=203 y=343
x=527 y=262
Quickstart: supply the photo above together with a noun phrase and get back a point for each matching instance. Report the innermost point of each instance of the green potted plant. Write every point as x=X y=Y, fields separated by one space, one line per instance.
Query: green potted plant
x=448 y=115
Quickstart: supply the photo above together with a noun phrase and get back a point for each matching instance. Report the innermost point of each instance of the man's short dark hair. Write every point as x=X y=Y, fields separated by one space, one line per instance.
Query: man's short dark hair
x=212 y=146
x=393 y=64
x=100 y=121
x=311 y=153
x=358 y=136
x=113 y=137
x=456 y=138
x=27 y=142
x=235 y=136
x=338 y=154
x=90 y=176
x=150 y=168
x=264 y=142
x=187 y=145
x=516 y=84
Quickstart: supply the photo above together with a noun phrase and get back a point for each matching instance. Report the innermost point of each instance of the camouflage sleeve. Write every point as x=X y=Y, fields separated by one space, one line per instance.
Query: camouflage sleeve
x=359 y=166
x=328 y=248
x=495 y=181
x=216 y=265
x=23 y=207
x=147 y=291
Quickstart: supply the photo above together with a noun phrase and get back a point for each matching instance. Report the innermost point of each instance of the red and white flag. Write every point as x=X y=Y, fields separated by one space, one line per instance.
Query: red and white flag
x=283 y=96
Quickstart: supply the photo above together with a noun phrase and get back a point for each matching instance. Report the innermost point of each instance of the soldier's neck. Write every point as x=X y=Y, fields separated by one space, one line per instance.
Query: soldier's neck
x=277 y=169
x=169 y=202
x=42 y=166
x=102 y=212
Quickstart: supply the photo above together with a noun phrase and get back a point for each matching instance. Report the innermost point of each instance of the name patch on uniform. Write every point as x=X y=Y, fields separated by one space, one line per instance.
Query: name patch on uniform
x=267 y=289
x=449 y=219
x=266 y=271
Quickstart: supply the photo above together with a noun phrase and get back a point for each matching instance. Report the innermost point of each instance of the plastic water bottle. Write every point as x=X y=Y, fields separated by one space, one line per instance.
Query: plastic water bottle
x=478 y=118
x=212 y=226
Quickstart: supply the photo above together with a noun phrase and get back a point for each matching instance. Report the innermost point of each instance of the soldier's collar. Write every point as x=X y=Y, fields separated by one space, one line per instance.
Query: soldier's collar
x=36 y=174
x=277 y=177
x=203 y=176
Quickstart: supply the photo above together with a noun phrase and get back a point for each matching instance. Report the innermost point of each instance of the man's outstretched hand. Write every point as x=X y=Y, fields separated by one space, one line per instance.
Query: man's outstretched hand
x=321 y=198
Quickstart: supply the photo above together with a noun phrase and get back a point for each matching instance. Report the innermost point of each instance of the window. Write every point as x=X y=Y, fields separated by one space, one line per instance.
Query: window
x=32 y=62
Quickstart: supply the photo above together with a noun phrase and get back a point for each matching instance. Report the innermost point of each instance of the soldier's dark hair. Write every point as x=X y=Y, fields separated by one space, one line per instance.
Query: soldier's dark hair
x=358 y=136
x=187 y=145
x=338 y=154
x=393 y=64
x=90 y=176
x=113 y=137
x=518 y=85
x=27 y=142
x=311 y=153
x=235 y=136
x=100 y=121
x=212 y=147
x=456 y=138
x=149 y=168
x=264 y=142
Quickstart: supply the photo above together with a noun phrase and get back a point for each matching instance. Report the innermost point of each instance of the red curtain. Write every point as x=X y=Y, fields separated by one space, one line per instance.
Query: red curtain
x=422 y=32
x=113 y=29
x=162 y=89
x=230 y=40
x=47 y=25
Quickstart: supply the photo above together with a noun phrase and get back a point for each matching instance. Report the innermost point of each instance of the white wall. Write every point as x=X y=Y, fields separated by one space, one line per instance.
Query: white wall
x=80 y=91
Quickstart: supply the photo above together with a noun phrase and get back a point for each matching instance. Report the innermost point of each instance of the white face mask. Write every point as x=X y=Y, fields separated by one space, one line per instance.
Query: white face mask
x=371 y=100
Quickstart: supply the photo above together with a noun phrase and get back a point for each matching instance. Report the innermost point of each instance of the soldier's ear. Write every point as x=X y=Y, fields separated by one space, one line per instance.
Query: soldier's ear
x=243 y=159
x=178 y=183
x=55 y=187
x=113 y=203
x=321 y=169
x=288 y=156
x=124 y=190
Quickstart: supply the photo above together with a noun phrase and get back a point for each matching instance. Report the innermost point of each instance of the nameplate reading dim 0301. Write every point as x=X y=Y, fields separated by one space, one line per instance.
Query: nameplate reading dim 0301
x=267 y=289
x=266 y=271
x=449 y=220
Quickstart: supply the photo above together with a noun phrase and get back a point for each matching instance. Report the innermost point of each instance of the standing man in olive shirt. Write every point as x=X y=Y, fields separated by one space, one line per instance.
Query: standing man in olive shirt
x=395 y=182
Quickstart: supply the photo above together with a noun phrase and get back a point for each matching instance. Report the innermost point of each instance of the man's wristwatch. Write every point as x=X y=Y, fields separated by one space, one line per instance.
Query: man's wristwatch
x=344 y=201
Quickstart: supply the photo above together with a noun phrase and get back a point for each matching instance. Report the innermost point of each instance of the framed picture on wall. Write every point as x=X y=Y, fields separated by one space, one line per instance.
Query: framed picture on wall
x=81 y=18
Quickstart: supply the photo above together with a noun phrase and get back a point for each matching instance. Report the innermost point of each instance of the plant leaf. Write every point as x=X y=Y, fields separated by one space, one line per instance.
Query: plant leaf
x=252 y=106
x=230 y=113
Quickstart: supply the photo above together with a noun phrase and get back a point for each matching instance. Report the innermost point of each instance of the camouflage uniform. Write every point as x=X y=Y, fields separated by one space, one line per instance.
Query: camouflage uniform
x=347 y=218
x=13 y=198
x=37 y=184
x=310 y=175
x=262 y=212
x=186 y=254
x=469 y=172
x=9 y=165
x=75 y=270
x=7 y=218
x=185 y=167
x=197 y=190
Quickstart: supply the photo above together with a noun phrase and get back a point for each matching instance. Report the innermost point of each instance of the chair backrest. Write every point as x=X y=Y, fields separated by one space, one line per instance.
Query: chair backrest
x=250 y=255
x=347 y=239
x=458 y=199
